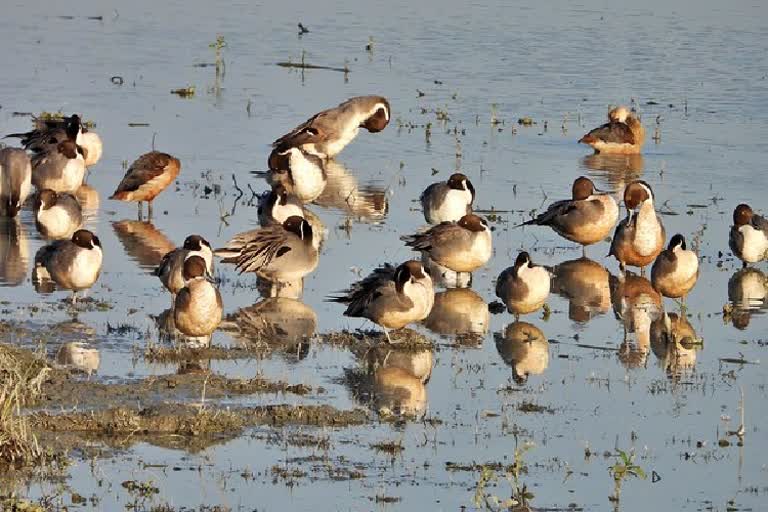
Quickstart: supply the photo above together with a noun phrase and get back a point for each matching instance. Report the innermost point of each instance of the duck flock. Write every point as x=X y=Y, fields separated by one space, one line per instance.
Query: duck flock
x=286 y=248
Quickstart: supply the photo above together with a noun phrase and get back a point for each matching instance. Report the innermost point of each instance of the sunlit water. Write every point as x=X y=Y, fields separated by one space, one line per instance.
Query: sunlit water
x=699 y=71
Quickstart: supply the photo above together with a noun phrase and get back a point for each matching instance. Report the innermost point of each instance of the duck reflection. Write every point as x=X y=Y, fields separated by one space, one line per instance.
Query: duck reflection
x=365 y=203
x=14 y=252
x=616 y=171
x=637 y=304
x=443 y=277
x=276 y=319
x=458 y=312
x=143 y=242
x=89 y=200
x=674 y=343
x=79 y=356
x=748 y=294
x=393 y=382
x=524 y=348
x=586 y=285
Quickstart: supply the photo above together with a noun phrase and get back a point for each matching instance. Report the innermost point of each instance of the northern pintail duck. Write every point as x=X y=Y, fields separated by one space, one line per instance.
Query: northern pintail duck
x=675 y=271
x=149 y=175
x=73 y=264
x=59 y=167
x=171 y=267
x=197 y=308
x=328 y=132
x=279 y=253
x=277 y=205
x=459 y=311
x=397 y=392
x=523 y=287
x=300 y=172
x=524 y=348
x=57 y=215
x=51 y=132
x=587 y=218
x=15 y=180
x=448 y=201
x=391 y=297
x=623 y=133
x=462 y=246
x=749 y=235
x=639 y=238
x=78 y=355
x=586 y=285
x=637 y=304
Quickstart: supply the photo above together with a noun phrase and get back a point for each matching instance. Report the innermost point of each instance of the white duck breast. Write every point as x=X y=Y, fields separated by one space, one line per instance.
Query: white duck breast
x=85 y=268
x=60 y=220
x=57 y=172
x=537 y=281
x=755 y=244
x=648 y=230
x=308 y=179
x=453 y=206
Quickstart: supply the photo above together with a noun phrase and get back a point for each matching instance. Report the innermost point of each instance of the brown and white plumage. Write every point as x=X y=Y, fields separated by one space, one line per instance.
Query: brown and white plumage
x=57 y=215
x=460 y=311
x=273 y=319
x=170 y=271
x=328 y=132
x=143 y=242
x=623 y=134
x=50 y=132
x=586 y=285
x=278 y=252
x=149 y=175
x=300 y=172
x=586 y=218
x=449 y=200
x=363 y=202
x=391 y=297
x=524 y=348
x=197 y=308
x=639 y=238
x=676 y=270
x=59 y=167
x=277 y=205
x=15 y=180
x=73 y=264
x=748 y=238
x=523 y=287
x=462 y=246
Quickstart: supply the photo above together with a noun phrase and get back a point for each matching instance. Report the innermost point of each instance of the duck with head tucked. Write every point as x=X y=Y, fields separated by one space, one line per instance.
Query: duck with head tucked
x=749 y=235
x=622 y=134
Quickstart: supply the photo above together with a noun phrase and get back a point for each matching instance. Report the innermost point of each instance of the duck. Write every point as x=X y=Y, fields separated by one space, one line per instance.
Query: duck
x=278 y=253
x=361 y=202
x=749 y=235
x=587 y=218
x=622 y=134
x=747 y=294
x=585 y=284
x=51 y=132
x=674 y=342
x=639 y=238
x=91 y=143
x=57 y=214
x=15 y=180
x=675 y=271
x=462 y=246
x=170 y=271
x=523 y=287
x=637 y=304
x=59 y=167
x=80 y=356
x=449 y=200
x=149 y=175
x=302 y=173
x=328 y=132
x=278 y=204
x=391 y=297
x=73 y=264
x=197 y=308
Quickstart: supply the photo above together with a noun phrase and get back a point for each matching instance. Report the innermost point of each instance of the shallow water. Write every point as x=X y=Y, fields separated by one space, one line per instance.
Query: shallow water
x=698 y=70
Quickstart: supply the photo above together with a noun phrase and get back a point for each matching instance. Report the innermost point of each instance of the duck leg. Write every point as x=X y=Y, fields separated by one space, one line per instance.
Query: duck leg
x=141 y=212
x=149 y=210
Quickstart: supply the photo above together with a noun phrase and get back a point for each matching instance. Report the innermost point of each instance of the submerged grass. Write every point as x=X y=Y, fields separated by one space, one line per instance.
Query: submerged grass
x=21 y=379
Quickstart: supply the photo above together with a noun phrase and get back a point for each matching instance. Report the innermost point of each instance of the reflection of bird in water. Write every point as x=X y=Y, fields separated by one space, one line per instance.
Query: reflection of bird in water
x=143 y=242
x=616 y=171
x=89 y=200
x=275 y=319
x=747 y=293
x=523 y=287
x=392 y=381
x=14 y=252
x=585 y=283
x=524 y=348
x=79 y=356
x=674 y=342
x=365 y=203
x=637 y=304
x=286 y=289
x=458 y=311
